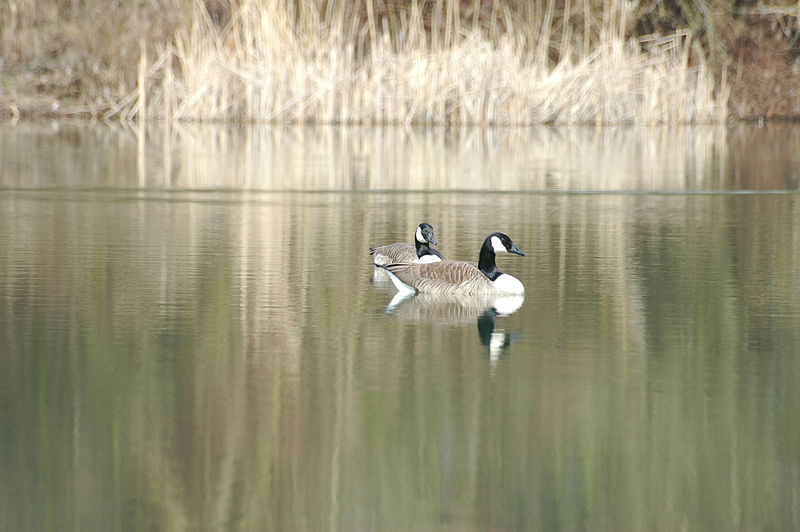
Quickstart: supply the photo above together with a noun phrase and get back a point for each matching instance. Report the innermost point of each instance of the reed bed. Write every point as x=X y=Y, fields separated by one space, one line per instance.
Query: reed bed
x=498 y=62
x=266 y=66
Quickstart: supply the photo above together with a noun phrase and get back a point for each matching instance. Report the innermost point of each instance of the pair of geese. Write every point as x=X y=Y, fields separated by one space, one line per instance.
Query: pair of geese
x=420 y=268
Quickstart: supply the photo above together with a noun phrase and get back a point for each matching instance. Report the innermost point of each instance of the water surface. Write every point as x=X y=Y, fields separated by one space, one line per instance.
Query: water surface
x=191 y=335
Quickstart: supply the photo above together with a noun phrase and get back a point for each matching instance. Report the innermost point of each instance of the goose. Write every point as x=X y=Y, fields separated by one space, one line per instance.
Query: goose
x=451 y=277
x=421 y=251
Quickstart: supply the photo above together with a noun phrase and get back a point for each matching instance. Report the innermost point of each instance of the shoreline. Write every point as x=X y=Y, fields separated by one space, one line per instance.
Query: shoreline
x=41 y=110
x=38 y=113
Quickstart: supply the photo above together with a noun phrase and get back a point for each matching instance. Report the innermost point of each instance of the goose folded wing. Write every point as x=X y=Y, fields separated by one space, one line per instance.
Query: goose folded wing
x=442 y=277
x=397 y=252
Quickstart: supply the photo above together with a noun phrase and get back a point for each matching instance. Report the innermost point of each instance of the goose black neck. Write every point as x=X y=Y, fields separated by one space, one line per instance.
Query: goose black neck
x=423 y=248
x=486 y=262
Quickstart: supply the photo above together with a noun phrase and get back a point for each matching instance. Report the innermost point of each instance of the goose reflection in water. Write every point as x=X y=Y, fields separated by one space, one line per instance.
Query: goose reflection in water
x=497 y=341
x=462 y=311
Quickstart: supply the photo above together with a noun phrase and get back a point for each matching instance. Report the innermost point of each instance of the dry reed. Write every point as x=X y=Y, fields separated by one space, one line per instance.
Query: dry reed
x=429 y=63
x=265 y=65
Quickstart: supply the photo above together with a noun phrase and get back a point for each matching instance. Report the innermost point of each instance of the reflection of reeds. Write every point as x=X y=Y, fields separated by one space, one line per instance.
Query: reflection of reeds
x=267 y=158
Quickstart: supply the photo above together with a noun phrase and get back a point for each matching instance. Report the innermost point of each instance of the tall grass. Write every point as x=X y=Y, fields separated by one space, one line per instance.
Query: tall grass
x=279 y=62
x=406 y=62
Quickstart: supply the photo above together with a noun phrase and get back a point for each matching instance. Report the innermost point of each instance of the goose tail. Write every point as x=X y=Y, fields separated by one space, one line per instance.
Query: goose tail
x=400 y=285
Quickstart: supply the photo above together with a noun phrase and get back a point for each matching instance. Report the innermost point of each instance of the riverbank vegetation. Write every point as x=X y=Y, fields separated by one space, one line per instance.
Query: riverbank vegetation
x=402 y=61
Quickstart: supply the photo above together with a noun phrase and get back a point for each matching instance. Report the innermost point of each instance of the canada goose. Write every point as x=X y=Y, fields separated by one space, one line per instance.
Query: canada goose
x=421 y=251
x=460 y=277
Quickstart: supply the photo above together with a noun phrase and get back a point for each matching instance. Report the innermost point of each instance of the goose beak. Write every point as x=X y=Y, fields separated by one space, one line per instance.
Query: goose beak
x=432 y=240
x=516 y=250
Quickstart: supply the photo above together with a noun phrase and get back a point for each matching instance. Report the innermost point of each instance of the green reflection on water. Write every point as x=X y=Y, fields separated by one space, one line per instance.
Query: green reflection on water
x=223 y=361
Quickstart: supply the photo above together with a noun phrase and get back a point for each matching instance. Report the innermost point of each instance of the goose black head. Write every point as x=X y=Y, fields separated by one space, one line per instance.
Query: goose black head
x=501 y=243
x=495 y=243
x=425 y=234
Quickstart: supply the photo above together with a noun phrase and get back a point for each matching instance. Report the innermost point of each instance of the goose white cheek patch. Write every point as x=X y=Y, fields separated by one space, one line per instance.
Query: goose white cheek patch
x=420 y=238
x=498 y=246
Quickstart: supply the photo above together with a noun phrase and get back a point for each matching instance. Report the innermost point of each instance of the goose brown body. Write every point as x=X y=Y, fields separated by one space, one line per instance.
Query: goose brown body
x=398 y=252
x=444 y=278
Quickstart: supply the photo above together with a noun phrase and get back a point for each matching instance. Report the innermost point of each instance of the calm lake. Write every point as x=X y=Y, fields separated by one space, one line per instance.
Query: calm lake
x=192 y=336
